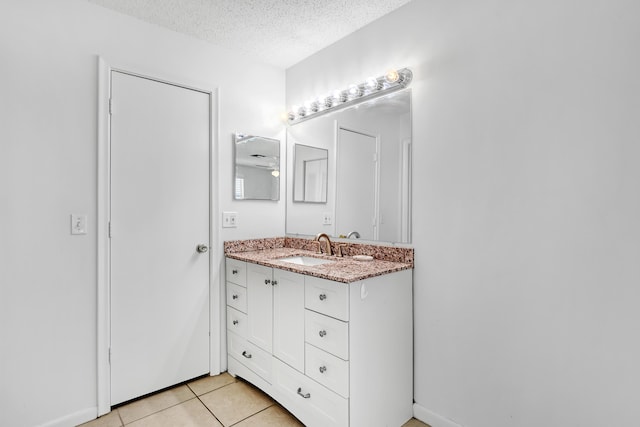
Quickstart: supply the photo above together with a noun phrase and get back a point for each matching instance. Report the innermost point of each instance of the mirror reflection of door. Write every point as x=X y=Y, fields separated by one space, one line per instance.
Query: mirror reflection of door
x=310 y=174
x=357 y=192
x=315 y=180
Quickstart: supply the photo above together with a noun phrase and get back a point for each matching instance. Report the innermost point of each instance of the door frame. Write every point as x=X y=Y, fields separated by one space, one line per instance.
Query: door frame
x=102 y=224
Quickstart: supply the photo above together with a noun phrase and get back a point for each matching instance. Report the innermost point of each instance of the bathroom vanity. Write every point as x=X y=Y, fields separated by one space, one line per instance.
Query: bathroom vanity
x=331 y=342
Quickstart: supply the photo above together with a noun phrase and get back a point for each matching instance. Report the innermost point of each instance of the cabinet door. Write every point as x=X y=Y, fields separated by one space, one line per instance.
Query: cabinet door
x=288 y=318
x=260 y=306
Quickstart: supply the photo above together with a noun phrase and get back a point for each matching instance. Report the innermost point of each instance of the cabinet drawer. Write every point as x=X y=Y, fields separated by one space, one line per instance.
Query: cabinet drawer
x=254 y=358
x=237 y=322
x=327 y=369
x=327 y=333
x=312 y=403
x=236 y=272
x=237 y=297
x=327 y=297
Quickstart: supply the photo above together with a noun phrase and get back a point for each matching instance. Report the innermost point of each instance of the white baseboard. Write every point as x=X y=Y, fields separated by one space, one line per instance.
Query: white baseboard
x=73 y=419
x=431 y=418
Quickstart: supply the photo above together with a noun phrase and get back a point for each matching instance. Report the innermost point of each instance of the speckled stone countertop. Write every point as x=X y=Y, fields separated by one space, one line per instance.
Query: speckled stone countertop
x=346 y=269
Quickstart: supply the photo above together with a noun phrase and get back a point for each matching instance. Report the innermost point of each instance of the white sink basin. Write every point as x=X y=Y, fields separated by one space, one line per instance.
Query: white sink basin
x=306 y=260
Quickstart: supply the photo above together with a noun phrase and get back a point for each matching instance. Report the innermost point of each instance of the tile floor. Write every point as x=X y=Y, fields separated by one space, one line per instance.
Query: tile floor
x=210 y=401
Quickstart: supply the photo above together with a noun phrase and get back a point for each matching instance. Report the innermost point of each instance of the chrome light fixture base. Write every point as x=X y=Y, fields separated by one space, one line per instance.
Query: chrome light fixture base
x=373 y=87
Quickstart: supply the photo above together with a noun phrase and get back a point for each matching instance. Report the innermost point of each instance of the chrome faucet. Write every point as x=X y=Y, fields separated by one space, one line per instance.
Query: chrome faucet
x=327 y=244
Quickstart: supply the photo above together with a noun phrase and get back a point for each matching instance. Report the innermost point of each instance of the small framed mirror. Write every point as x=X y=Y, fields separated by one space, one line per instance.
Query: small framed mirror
x=257 y=168
x=310 y=174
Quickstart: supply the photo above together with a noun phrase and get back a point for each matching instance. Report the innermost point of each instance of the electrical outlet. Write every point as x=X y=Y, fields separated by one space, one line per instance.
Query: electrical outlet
x=229 y=219
x=327 y=218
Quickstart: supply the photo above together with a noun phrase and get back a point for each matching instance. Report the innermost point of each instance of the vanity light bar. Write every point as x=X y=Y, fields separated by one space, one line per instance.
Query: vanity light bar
x=373 y=87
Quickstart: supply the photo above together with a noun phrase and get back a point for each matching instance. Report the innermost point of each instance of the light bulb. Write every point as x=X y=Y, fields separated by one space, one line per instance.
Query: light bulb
x=275 y=173
x=392 y=76
x=372 y=84
x=354 y=91
x=339 y=96
x=311 y=106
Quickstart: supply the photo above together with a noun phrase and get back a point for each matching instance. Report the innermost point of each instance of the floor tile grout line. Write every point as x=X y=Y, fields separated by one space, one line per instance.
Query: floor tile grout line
x=253 y=415
x=211 y=391
x=273 y=402
x=209 y=409
x=153 y=413
x=120 y=417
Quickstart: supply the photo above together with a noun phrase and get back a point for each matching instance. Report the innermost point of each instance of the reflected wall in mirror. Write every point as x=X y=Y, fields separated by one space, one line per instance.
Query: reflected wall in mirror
x=369 y=171
x=257 y=168
x=310 y=174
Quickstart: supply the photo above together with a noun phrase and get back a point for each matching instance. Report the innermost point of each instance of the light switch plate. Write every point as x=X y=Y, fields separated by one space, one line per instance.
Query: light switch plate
x=229 y=219
x=78 y=224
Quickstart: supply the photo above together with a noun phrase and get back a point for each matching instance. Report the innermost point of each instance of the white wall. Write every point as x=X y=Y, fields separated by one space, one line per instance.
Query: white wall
x=48 y=155
x=525 y=203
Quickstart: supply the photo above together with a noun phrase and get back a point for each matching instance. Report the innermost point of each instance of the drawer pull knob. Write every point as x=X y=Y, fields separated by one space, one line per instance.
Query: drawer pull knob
x=235 y=322
x=305 y=395
x=323 y=297
x=275 y=282
x=247 y=355
x=235 y=296
x=234 y=271
x=323 y=369
x=322 y=333
x=267 y=281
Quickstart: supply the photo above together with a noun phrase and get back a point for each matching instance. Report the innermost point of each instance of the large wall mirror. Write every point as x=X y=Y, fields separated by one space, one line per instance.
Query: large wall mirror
x=368 y=189
x=257 y=168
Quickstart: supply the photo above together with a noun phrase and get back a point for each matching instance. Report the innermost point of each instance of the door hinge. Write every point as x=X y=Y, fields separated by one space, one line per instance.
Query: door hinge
x=109 y=355
x=110 y=106
x=109 y=231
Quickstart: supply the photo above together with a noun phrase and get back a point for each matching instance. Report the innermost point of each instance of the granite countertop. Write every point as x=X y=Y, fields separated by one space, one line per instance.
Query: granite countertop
x=343 y=269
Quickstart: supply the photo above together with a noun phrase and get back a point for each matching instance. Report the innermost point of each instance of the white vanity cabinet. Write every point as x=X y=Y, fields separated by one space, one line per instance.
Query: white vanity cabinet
x=333 y=354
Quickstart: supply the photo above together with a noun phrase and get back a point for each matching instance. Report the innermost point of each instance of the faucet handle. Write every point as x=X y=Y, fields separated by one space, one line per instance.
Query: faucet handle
x=341 y=248
x=319 y=247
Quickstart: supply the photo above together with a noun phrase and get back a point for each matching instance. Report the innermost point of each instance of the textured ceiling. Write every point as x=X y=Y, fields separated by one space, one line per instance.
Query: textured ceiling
x=277 y=32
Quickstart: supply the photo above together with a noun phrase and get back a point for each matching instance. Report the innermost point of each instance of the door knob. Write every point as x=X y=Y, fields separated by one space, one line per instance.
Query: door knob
x=202 y=248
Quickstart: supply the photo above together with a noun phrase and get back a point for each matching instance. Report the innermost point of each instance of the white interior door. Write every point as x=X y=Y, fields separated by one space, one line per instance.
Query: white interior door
x=160 y=139
x=357 y=184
